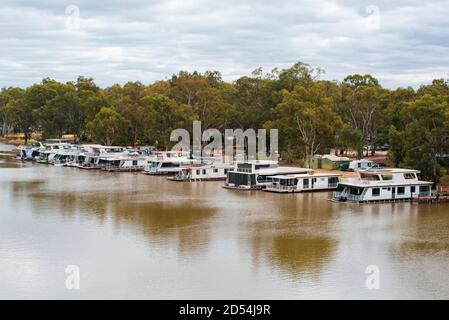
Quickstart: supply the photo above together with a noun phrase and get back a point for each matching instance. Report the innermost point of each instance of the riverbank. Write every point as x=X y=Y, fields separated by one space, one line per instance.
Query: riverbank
x=12 y=141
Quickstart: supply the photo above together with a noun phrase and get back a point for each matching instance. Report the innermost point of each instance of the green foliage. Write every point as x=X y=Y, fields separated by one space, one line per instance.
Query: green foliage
x=108 y=127
x=162 y=116
x=305 y=118
x=312 y=115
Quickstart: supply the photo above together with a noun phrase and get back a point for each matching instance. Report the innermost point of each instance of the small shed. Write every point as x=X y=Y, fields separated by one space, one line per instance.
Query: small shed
x=329 y=162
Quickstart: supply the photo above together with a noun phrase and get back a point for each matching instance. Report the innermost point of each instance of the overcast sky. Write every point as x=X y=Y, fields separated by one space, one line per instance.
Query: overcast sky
x=402 y=43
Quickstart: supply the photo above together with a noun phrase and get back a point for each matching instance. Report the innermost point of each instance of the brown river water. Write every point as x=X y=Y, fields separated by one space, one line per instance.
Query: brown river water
x=142 y=237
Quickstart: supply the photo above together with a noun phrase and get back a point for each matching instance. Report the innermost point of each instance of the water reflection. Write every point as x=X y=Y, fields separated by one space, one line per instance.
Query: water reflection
x=297 y=237
x=198 y=240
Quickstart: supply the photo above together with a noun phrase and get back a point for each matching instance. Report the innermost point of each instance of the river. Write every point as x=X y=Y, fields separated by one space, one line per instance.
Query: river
x=134 y=236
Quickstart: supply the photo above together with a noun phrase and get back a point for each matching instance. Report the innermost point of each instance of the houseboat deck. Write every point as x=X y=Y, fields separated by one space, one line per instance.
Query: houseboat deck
x=304 y=182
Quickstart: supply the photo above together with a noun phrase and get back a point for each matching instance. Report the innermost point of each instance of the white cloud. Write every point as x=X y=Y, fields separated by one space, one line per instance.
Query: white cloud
x=400 y=42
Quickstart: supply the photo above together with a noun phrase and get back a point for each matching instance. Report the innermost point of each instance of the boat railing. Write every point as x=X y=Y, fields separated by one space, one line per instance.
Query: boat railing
x=277 y=186
x=337 y=195
x=353 y=197
x=333 y=185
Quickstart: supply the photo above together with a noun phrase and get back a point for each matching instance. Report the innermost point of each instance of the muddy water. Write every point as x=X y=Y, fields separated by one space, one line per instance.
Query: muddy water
x=136 y=236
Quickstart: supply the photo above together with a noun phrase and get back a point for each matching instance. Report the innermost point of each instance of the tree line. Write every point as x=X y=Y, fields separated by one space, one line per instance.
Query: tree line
x=312 y=115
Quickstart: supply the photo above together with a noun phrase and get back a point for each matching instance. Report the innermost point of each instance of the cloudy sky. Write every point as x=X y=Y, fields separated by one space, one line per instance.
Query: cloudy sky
x=400 y=42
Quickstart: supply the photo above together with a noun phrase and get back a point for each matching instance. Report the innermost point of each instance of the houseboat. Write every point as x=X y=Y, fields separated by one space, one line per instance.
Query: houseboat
x=257 y=174
x=383 y=185
x=309 y=181
x=30 y=152
x=362 y=164
x=202 y=172
x=167 y=162
x=122 y=164
x=93 y=153
x=63 y=156
x=48 y=151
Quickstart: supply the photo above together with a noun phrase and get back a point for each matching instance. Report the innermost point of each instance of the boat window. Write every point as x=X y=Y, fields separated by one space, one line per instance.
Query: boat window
x=333 y=180
x=401 y=190
x=134 y=162
x=169 y=165
x=198 y=172
x=424 y=188
x=409 y=176
x=376 y=192
x=369 y=177
x=225 y=171
x=204 y=171
x=215 y=170
x=387 y=177
x=355 y=191
x=413 y=189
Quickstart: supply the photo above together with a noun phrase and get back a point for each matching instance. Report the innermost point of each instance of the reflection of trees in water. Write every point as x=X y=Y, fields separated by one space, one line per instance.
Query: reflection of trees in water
x=419 y=229
x=294 y=233
x=184 y=224
x=294 y=253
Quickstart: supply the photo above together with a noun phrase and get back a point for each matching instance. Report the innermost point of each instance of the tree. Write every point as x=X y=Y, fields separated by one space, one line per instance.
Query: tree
x=426 y=135
x=163 y=115
x=108 y=127
x=305 y=118
x=10 y=100
x=363 y=104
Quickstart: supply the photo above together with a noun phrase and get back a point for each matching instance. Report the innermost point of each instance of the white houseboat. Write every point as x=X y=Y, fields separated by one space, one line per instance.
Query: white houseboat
x=257 y=174
x=203 y=172
x=310 y=181
x=93 y=153
x=362 y=164
x=29 y=152
x=167 y=162
x=123 y=164
x=63 y=156
x=383 y=185
x=48 y=151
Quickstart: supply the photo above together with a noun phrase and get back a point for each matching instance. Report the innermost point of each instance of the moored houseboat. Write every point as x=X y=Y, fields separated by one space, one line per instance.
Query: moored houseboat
x=48 y=151
x=383 y=185
x=202 y=172
x=167 y=162
x=122 y=164
x=93 y=153
x=257 y=174
x=303 y=182
x=29 y=152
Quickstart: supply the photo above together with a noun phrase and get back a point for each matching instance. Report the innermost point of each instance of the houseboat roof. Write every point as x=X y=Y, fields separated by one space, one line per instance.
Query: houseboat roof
x=258 y=162
x=334 y=158
x=100 y=146
x=121 y=158
x=388 y=170
x=381 y=184
x=277 y=171
x=307 y=175
x=207 y=165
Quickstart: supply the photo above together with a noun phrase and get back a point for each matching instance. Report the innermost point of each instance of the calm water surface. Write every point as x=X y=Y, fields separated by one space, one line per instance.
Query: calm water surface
x=142 y=237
